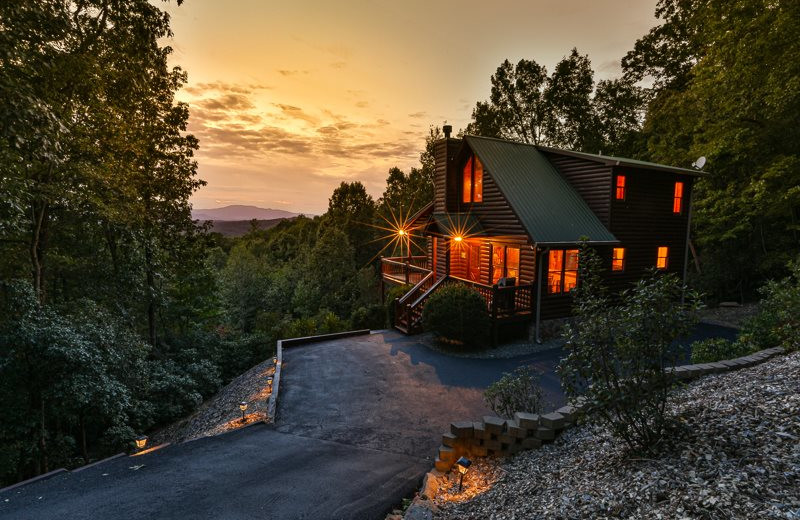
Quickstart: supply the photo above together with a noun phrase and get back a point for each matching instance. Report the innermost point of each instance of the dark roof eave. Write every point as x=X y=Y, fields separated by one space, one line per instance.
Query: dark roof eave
x=578 y=242
x=619 y=161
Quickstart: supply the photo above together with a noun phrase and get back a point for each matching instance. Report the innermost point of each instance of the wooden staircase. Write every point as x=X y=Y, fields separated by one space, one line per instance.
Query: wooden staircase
x=408 y=309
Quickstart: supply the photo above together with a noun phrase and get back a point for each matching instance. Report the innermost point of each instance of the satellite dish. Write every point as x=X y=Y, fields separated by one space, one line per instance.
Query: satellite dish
x=699 y=163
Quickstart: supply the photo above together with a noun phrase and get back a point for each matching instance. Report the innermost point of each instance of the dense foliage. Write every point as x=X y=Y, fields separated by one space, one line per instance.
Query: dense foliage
x=519 y=391
x=616 y=353
x=457 y=314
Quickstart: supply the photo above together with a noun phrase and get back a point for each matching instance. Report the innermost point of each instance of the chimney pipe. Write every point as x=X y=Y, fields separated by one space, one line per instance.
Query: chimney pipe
x=447 y=129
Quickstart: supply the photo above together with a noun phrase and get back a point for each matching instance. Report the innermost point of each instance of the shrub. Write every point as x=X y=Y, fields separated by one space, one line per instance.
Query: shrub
x=518 y=391
x=778 y=320
x=616 y=354
x=372 y=317
x=717 y=349
x=391 y=295
x=457 y=313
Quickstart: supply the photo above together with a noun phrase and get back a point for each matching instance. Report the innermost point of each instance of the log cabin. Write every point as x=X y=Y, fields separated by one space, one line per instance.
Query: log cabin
x=507 y=219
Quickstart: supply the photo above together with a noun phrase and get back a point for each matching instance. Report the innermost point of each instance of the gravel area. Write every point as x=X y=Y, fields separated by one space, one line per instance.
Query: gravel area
x=738 y=456
x=221 y=413
x=729 y=316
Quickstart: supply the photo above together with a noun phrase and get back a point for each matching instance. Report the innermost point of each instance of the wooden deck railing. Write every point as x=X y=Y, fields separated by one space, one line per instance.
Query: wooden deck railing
x=409 y=270
x=503 y=302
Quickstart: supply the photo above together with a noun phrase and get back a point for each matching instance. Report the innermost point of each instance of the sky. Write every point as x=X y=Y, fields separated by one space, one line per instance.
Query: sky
x=290 y=98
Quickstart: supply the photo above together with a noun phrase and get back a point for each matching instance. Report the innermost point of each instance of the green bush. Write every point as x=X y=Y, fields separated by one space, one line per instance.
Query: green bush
x=457 y=314
x=718 y=349
x=372 y=317
x=392 y=294
x=617 y=353
x=518 y=391
x=778 y=320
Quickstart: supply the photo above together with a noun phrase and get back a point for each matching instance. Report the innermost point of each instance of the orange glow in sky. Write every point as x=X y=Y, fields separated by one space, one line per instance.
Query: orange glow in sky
x=289 y=99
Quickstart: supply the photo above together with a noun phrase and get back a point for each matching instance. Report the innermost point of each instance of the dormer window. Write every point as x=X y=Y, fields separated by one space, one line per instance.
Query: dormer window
x=472 y=185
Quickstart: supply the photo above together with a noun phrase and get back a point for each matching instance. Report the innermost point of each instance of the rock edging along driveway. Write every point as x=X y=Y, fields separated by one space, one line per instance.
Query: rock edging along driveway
x=493 y=436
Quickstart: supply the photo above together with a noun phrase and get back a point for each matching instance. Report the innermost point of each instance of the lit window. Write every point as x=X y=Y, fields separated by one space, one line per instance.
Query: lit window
x=618 y=259
x=663 y=255
x=505 y=263
x=472 y=183
x=562 y=271
x=620 y=187
x=467 y=184
x=677 y=200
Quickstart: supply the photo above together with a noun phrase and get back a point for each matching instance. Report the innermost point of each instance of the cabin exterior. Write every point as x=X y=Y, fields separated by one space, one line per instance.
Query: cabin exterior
x=507 y=219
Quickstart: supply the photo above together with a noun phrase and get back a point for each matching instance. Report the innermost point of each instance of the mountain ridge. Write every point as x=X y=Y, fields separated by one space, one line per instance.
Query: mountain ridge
x=241 y=212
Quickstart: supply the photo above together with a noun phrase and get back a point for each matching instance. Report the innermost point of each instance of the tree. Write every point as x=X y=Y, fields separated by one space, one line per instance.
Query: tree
x=563 y=109
x=725 y=87
x=352 y=210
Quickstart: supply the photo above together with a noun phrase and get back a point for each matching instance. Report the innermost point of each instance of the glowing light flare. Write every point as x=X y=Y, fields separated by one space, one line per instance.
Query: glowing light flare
x=458 y=238
x=399 y=233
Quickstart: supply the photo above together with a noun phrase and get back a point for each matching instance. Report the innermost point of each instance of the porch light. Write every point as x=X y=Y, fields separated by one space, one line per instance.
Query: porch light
x=141 y=442
x=269 y=381
x=243 y=407
x=458 y=238
x=401 y=232
x=462 y=465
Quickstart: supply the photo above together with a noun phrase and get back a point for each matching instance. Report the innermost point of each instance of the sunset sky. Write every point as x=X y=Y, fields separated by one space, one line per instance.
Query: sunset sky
x=290 y=98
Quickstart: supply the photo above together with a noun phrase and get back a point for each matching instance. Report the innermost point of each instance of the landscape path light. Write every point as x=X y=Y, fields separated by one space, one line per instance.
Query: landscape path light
x=463 y=465
x=243 y=407
x=141 y=442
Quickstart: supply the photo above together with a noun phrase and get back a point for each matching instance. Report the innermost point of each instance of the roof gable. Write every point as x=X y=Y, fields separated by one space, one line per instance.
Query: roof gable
x=549 y=208
x=622 y=161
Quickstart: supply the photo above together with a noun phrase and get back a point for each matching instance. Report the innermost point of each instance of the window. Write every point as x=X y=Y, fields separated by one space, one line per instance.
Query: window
x=618 y=259
x=662 y=257
x=474 y=264
x=677 y=200
x=619 y=193
x=472 y=183
x=562 y=271
x=505 y=262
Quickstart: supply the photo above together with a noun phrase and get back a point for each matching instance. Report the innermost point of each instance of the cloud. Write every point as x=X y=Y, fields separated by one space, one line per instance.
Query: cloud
x=286 y=72
x=226 y=102
x=418 y=115
x=339 y=64
x=362 y=104
x=294 y=112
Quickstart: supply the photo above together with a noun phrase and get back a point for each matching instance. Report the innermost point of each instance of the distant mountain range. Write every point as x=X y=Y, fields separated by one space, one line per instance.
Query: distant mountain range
x=239 y=212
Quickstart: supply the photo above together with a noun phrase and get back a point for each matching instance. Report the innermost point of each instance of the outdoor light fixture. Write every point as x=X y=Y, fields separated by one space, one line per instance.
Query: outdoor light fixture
x=269 y=381
x=458 y=238
x=274 y=360
x=463 y=465
x=141 y=442
x=401 y=232
x=243 y=407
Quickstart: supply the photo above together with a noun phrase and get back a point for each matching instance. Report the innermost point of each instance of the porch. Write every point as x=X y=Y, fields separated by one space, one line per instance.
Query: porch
x=510 y=304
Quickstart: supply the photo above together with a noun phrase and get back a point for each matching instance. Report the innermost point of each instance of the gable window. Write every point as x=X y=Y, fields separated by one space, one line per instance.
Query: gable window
x=662 y=258
x=677 y=199
x=562 y=271
x=619 y=187
x=472 y=184
x=618 y=259
x=505 y=263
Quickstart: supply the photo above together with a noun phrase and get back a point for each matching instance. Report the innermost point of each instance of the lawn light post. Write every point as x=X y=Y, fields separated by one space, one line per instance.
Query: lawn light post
x=243 y=407
x=141 y=442
x=463 y=465
x=269 y=382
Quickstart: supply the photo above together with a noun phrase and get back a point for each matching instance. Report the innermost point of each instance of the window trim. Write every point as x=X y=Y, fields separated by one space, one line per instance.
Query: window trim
x=622 y=259
x=665 y=257
x=618 y=187
x=472 y=161
x=562 y=272
x=677 y=198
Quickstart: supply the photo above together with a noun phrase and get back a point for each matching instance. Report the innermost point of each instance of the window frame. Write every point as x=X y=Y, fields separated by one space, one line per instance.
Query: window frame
x=618 y=187
x=504 y=273
x=472 y=162
x=677 y=198
x=622 y=259
x=565 y=253
x=665 y=257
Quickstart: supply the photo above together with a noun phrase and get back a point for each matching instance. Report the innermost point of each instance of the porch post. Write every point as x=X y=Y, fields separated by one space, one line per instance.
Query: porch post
x=686 y=246
x=539 y=292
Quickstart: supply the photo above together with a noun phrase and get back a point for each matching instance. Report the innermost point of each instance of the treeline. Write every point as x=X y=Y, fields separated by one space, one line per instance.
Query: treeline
x=715 y=79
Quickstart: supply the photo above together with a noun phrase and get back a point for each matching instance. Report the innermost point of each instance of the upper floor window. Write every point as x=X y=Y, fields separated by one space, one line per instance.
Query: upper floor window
x=472 y=185
x=662 y=258
x=619 y=187
x=618 y=259
x=562 y=271
x=677 y=199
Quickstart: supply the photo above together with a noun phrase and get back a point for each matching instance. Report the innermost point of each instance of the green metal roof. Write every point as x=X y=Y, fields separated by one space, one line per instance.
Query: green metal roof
x=550 y=209
x=461 y=224
x=622 y=161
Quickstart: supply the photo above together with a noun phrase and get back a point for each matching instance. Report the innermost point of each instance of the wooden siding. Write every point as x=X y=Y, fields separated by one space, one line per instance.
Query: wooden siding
x=494 y=213
x=590 y=179
x=445 y=178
